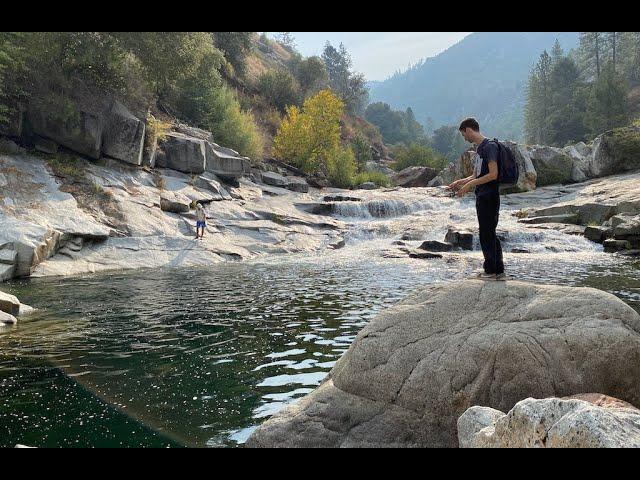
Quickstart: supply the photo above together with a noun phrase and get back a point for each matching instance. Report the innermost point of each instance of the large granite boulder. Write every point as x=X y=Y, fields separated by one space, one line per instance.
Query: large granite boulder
x=297 y=184
x=411 y=373
x=80 y=128
x=275 y=179
x=379 y=168
x=414 y=177
x=616 y=151
x=123 y=137
x=584 y=421
x=182 y=153
x=527 y=175
x=552 y=165
x=92 y=124
x=225 y=162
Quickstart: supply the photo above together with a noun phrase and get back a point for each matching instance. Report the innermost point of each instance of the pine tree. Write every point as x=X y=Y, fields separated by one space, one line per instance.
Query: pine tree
x=556 y=52
x=591 y=52
x=607 y=105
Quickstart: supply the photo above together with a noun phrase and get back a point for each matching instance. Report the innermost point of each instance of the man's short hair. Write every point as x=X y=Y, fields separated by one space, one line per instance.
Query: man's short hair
x=471 y=123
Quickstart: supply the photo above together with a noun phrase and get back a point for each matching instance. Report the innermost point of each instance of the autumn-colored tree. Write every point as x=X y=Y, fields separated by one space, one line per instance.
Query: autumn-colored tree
x=308 y=137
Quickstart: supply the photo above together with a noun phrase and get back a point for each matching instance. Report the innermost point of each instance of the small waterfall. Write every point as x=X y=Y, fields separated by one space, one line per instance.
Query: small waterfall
x=386 y=208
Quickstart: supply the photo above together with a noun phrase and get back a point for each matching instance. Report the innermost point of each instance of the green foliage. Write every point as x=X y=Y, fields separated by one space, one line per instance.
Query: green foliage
x=569 y=101
x=362 y=150
x=235 y=46
x=309 y=137
x=395 y=126
x=311 y=74
x=64 y=165
x=417 y=156
x=607 y=107
x=341 y=168
x=280 y=88
x=11 y=68
x=448 y=142
x=350 y=86
x=379 y=178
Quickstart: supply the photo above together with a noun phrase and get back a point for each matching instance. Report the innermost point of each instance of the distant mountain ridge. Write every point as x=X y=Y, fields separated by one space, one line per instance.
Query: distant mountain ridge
x=484 y=75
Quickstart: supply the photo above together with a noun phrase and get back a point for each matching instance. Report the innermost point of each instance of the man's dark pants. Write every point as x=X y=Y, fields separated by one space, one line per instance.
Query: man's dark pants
x=488 y=210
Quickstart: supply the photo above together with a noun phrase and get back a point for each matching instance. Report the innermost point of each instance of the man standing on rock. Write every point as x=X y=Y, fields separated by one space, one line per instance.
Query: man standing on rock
x=201 y=220
x=485 y=179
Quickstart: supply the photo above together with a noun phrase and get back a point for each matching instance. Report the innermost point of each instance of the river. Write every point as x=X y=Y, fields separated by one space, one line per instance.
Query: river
x=199 y=357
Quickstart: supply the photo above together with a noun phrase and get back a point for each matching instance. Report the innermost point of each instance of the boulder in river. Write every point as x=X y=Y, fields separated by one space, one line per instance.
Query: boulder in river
x=7 y=319
x=9 y=304
x=459 y=238
x=416 y=367
x=436 y=246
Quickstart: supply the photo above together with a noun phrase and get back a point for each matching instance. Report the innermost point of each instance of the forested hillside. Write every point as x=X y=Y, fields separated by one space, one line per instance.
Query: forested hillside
x=484 y=75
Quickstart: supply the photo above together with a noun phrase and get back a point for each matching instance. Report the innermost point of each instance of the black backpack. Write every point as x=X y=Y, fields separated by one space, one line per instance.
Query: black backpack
x=507 y=166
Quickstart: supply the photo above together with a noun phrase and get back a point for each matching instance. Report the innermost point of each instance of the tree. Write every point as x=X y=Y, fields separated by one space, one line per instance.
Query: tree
x=395 y=126
x=556 y=52
x=235 y=46
x=279 y=88
x=308 y=137
x=286 y=39
x=591 y=52
x=607 y=107
x=566 y=121
x=310 y=73
x=361 y=150
x=11 y=70
x=447 y=141
x=416 y=155
x=351 y=87
x=537 y=107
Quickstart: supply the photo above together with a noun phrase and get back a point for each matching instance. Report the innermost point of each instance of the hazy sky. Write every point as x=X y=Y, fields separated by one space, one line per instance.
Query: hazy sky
x=379 y=54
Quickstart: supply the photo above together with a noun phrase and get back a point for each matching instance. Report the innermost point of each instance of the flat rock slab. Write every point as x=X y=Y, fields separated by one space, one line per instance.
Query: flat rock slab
x=420 y=364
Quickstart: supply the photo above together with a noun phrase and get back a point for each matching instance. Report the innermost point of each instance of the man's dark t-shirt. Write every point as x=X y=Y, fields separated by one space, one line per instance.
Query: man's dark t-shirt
x=486 y=152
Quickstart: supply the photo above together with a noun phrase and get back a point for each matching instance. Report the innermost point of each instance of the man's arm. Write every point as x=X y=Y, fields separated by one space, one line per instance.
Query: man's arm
x=492 y=175
x=460 y=183
x=489 y=177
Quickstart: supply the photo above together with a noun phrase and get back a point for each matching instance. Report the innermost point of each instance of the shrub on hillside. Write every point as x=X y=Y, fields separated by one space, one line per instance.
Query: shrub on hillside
x=417 y=156
x=279 y=88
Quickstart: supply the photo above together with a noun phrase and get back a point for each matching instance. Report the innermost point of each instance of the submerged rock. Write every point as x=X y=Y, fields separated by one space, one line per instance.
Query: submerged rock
x=584 y=421
x=422 y=363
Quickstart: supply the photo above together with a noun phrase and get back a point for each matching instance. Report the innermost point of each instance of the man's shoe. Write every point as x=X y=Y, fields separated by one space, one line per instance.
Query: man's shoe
x=501 y=277
x=486 y=276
